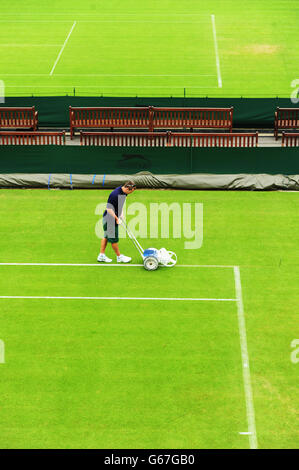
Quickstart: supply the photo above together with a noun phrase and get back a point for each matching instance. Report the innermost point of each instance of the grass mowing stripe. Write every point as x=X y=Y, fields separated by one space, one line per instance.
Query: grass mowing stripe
x=62 y=49
x=245 y=362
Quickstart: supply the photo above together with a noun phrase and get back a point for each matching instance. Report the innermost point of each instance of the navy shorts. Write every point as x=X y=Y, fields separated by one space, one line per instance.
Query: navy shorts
x=112 y=232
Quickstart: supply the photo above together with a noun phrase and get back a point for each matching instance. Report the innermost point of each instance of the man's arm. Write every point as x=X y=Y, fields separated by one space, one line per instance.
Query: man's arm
x=112 y=213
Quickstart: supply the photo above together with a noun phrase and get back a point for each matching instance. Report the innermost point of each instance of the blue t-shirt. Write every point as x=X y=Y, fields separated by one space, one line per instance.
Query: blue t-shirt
x=116 y=201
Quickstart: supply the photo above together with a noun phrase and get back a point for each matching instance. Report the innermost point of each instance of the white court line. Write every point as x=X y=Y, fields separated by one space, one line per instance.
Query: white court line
x=29 y=45
x=245 y=362
x=108 y=86
x=120 y=265
x=101 y=74
x=114 y=13
x=105 y=21
x=216 y=52
x=63 y=46
x=113 y=298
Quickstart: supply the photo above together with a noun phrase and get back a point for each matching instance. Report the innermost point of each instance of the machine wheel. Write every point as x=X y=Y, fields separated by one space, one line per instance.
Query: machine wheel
x=150 y=263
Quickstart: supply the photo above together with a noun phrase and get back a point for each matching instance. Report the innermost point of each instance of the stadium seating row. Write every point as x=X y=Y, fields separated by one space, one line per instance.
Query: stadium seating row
x=151 y=118
x=32 y=138
x=144 y=139
x=147 y=118
x=168 y=139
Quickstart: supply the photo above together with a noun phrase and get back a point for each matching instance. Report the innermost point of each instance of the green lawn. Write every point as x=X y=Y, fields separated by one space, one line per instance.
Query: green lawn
x=147 y=373
x=155 y=48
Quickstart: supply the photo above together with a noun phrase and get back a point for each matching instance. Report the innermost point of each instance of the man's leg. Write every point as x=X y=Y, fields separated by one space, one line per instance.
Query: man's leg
x=104 y=242
x=102 y=257
x=120 y=258
x=115 y=248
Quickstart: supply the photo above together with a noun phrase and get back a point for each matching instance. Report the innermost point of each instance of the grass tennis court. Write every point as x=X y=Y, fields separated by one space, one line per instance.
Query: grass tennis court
x=156 y=48
x=133 y=373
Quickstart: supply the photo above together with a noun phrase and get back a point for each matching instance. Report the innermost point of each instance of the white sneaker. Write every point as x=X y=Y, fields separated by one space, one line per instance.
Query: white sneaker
x=102 y=258
x=123 y=259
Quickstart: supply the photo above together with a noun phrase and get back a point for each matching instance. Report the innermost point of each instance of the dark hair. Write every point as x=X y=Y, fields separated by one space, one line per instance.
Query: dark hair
x=130 y=185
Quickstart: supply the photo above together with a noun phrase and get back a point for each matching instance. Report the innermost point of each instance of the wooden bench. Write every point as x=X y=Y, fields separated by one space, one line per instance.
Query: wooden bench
x=290 y=139
x=286 y=118
x=32 y=138
x=125 y=139
x=100 y=117
x=193 y=118
x=214 y=140
x=168 y=139
x=18 y=118
x=151 y=118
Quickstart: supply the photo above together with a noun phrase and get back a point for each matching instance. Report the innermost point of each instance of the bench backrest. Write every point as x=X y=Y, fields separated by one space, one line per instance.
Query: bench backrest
x=193 y=117
x=124 y=139
x=287 y=117
x=18 y=117
x=109 y=117
x=290 y=140
x=32 y=138
x=151 y=118
x=168 y=139
x=215 y=140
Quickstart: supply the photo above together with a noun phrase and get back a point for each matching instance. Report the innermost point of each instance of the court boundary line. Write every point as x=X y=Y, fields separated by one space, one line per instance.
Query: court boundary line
x=102 y=74
x=38 y=297
x=216 y=51
x=252 y=435
x=120 y=265
x=62 y=48
x=108 y=86
x=105 y=21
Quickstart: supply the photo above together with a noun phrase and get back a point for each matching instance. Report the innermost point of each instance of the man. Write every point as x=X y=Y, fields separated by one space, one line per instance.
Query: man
x=111 y=221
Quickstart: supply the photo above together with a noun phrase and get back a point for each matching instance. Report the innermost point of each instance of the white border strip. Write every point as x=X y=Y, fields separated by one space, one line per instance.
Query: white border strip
x=61 y=50
x=113 y=298
x=100 y=74
x=245 y=362
x=120 y=265
x=216 y=52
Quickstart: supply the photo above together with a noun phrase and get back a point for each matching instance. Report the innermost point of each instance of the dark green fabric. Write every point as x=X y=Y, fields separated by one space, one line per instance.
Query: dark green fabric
x=252 y=113
x=254 y=182
x=123 y=160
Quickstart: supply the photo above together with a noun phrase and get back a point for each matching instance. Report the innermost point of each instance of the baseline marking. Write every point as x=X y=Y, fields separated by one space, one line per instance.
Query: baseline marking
x=104 y=21
x=100 y=74
x=100 y=87
x=120 y=265
x=29 y=45
x=61 y=50
x=113 y=298
x=216 y=52
x=245 y=362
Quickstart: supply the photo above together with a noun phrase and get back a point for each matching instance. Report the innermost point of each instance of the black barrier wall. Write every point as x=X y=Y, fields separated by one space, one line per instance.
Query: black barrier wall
x=254 y=113
x=123 y=160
